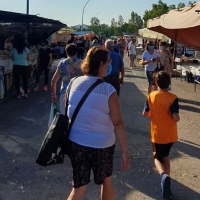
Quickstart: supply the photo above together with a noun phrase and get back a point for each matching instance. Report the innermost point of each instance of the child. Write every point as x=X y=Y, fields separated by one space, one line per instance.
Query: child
x=162 y=107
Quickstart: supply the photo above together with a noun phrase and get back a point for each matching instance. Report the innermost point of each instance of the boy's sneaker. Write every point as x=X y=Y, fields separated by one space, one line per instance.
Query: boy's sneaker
x=36 y=88
x=165 y=186
x=44 y=88
x=25 y=95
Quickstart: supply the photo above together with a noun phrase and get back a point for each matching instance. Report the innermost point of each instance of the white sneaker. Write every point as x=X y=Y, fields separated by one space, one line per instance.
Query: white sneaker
x=36 y=88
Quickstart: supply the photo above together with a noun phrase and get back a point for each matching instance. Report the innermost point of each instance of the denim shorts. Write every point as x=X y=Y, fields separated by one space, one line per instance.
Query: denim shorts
x=84 y=159
x=149 y=75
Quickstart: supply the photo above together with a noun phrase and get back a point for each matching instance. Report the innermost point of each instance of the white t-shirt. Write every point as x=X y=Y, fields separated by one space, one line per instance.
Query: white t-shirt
x=132 y=49
x=147 y=57
x=93 y=126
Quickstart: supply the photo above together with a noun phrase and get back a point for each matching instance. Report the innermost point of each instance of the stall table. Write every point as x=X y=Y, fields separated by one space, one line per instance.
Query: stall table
x=191 y=67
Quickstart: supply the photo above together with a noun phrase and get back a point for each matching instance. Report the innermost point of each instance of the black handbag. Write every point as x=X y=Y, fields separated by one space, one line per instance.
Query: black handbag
x=56 y=142
x=159 y=67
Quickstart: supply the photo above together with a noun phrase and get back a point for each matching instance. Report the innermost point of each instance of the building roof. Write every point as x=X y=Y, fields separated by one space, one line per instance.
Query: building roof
x=6 y=16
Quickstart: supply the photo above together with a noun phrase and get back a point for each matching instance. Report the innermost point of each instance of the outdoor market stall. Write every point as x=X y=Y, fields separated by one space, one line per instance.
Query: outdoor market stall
x=184 y=30
x=36 y=29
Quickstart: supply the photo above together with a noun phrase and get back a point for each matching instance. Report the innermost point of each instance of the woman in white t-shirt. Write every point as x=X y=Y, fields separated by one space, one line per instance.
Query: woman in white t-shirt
x=150 y=58
x=93 y=132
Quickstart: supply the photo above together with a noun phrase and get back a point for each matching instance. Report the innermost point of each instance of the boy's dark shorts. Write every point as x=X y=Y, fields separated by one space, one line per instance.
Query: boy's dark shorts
x=84 y=159
x=161 y=150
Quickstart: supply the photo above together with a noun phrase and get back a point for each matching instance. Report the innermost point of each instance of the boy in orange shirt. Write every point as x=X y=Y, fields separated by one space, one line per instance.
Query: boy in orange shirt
x=162 y=107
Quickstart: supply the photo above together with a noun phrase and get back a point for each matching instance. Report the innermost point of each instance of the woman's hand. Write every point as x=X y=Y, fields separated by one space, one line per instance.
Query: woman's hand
x=125 y=161
x=53 y=98
x=153 y=59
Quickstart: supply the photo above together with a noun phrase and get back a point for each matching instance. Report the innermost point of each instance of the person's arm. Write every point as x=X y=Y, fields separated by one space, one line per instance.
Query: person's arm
x=144 y=59
x=54 y=80
x=174 y=109
x=119 y=129
x=12 y=57
x=122 y=75
x=50 y=60
x=145 y=62
x=38 y=59
x=146 y=112
x=171 y=61
x=28 y=56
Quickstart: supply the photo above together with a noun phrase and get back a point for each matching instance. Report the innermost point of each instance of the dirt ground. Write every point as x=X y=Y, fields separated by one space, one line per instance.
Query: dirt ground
x=23 y=124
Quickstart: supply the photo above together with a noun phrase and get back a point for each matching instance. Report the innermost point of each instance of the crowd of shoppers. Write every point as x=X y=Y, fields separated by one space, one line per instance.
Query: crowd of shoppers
x=92 y=138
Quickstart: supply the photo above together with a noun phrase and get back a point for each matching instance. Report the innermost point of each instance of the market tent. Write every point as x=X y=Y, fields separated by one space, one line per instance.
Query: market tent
x=181 y=25
x=84 y=33
x=62 y=35
x=146 y=33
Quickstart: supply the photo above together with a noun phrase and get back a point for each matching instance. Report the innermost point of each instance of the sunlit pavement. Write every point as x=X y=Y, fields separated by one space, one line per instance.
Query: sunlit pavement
x=23 y=124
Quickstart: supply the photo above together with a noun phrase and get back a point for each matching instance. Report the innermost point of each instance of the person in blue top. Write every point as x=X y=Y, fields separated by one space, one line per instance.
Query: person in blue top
x=66 y=69
x=116 y=76
x=20 y=56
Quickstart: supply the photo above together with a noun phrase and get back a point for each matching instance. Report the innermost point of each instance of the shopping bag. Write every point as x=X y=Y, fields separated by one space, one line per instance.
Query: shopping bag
x=2 y=86
x=56 y=143
x=53 y=111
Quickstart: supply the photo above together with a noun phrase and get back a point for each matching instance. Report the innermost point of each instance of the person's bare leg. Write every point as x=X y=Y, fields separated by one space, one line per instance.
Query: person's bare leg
x=159 y=166
x=77 y=193
x=107 y=189
x=166 y=164
x=134 y=66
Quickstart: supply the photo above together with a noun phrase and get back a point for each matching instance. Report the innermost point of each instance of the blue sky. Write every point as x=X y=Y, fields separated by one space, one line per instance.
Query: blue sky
x=70 y=11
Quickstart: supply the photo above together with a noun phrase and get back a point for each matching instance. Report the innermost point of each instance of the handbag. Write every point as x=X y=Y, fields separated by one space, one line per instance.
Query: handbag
x=54 y=109
x=159 y=67
x=56 y=142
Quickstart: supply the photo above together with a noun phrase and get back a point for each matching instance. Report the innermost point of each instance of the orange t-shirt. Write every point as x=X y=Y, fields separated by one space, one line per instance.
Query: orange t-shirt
x=162 y=105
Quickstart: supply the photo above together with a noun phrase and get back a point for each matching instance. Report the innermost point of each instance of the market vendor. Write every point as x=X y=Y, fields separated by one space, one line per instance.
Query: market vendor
x=8 y=43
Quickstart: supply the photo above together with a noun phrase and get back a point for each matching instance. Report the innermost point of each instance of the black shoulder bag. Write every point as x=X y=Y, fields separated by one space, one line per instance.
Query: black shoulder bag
x=56 y=142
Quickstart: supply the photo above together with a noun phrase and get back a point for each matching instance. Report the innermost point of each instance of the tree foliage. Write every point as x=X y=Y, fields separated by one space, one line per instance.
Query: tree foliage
x=135 y=22
x=160 y=9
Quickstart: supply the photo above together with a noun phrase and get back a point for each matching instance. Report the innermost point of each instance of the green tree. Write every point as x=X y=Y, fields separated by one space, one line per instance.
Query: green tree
x=120 y=22
x=94 y=24
x=158 y=10
x=181 y=5
x=172 y=7
x=190 y=2
x=113 y=27
x=135 y=22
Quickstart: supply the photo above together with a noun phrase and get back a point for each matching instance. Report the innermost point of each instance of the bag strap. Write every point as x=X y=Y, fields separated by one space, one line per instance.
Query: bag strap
x=83 y=100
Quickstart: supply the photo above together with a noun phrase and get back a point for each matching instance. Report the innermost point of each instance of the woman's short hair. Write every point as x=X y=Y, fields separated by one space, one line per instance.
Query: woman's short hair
x=148 y=43
x=71 y=49
x=95 y=56
x=163 y=43
x=94 y=41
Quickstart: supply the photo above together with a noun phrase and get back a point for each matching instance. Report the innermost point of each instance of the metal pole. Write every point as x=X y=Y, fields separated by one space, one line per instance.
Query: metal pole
x=27 y=13
x=83 y=14
x=27 y=7
x=97 y=14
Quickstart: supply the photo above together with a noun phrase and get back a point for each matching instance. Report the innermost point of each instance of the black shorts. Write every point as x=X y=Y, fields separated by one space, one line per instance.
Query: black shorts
x=161 y=150
x=84 y=159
